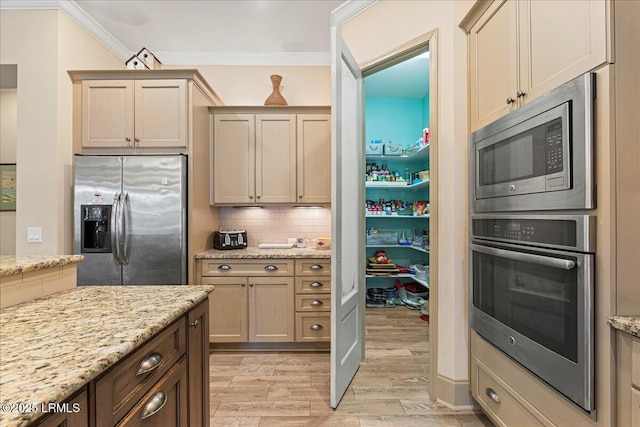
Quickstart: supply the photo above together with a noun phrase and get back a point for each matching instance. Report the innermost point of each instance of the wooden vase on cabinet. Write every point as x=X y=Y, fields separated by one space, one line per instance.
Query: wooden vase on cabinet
x=276 y=97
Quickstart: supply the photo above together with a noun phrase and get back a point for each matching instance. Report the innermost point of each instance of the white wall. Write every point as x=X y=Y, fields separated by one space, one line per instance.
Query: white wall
x=43 y=54
x=382 y=28
x=8 y=128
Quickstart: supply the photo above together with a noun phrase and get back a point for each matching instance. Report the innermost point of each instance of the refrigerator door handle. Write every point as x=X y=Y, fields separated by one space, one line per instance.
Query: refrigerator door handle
x=115 y=241
x=124 y=253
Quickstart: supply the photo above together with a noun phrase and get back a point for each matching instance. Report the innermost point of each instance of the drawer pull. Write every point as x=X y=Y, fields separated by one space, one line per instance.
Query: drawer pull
x=270 y=267
x=315 y=285
x=224 y=267
x=492 y=395
x=315 y=327
x=194 y=323
x=154 y=405
x=150 y=363
x=316 y=302
x=316 y=267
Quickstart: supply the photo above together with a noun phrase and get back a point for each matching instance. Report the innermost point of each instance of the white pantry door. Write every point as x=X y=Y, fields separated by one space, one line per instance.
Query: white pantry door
x=347 y=219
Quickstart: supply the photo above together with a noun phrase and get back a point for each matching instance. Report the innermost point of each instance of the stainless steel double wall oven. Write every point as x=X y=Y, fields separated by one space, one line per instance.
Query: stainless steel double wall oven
x=532 y=242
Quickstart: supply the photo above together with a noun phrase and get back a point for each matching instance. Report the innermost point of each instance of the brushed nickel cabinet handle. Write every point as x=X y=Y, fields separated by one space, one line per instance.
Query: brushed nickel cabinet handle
x=127 y=139
x=136 y=140
x=251 y=197
x=154 y=405
x=316 y=267
x=315 y=285
x=150 y=363
x=492 y=395
x=315 y=302
x=195 y=323
x=251 y=285
x=270 y=267
x=520 y=94
x=224 y=267
x=315 y=327
x=510 y=100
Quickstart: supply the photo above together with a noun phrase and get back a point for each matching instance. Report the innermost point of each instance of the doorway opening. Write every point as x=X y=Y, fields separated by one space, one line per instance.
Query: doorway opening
x=399 y=203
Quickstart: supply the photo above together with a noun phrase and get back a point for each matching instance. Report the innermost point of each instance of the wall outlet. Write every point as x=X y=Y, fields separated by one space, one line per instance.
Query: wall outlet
x=34 y=234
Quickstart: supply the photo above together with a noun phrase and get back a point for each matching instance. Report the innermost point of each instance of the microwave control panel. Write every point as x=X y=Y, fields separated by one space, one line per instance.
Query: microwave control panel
x=554 y=146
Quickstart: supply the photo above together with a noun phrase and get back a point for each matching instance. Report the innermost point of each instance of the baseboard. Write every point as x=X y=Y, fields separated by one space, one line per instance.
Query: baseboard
x=455 y=394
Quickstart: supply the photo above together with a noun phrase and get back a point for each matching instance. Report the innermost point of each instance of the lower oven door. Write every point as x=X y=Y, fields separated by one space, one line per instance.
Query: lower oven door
x=536 y=305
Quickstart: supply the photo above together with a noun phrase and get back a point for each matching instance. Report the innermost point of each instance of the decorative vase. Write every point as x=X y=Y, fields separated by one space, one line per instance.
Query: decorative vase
x=276 y=98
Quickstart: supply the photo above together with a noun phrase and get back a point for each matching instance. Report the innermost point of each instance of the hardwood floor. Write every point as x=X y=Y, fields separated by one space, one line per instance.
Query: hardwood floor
x=292 y=389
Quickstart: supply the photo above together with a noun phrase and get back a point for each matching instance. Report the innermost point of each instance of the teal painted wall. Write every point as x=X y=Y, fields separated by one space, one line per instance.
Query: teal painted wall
x=399 y=120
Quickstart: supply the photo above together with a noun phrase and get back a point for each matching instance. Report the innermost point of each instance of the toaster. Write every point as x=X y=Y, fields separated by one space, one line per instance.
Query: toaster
x=230 y=239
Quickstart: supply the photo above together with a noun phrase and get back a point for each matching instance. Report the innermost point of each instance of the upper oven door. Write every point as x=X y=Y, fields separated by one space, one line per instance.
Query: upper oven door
x=536 y=306
x=531 y=157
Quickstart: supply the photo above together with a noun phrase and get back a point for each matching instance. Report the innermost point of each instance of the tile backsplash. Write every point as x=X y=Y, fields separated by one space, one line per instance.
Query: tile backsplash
x=276 y=224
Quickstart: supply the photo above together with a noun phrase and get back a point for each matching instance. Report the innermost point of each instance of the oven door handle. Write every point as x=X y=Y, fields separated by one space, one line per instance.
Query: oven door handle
x=563 y=264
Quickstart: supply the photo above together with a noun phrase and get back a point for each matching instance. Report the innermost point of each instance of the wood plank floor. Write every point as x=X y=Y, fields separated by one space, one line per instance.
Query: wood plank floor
x=292 y=389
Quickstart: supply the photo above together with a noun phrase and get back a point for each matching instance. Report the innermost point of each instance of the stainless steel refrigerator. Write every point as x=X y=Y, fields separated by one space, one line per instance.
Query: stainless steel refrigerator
x=130 y=219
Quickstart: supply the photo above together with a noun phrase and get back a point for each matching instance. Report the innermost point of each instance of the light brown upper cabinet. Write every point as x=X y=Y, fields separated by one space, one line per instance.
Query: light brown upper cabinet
x=521 y=49
x=270 y=155
x=134 y=113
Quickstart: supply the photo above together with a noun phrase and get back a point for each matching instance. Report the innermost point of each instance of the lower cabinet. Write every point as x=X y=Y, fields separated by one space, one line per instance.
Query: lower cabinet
x=628 y=379
x=268 y=301
x=76 y=413
x=164 y=382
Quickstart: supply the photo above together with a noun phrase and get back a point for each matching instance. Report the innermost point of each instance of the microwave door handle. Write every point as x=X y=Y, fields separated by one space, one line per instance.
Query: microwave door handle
x=563 y=264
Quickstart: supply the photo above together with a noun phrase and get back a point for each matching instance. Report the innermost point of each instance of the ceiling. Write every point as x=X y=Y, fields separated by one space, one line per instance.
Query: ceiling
x=223 y=32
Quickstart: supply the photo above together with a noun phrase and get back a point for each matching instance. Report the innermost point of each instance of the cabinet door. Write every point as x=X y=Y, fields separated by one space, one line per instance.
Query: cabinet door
x=107 y=113
x=76 y=415
x=227 y=309
x=198 y=353
x=234 y=158
x=165 y=404
x=161 y=113
x=271 y=309
x=275 y=158
x=314 y=158
x=493 y=58
x=559 y=40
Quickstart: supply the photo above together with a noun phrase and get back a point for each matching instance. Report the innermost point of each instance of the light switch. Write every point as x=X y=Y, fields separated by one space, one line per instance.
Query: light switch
x=34 y=234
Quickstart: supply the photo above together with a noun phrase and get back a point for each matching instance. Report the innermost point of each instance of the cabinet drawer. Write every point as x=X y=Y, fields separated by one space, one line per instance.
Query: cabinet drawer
x=127 y=382
x=313 y=267
x=635 y=362
x=313 y=285
x=635 y=407
x=502 y=405
x=319 y=302
x=249 y=267
x=313 y=327
x=165 y=404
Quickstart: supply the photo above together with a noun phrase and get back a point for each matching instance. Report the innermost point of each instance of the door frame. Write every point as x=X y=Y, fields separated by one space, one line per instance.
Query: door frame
x=385 y=60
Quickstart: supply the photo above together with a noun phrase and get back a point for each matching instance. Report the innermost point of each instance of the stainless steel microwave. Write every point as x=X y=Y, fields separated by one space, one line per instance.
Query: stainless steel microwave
x=538 y=157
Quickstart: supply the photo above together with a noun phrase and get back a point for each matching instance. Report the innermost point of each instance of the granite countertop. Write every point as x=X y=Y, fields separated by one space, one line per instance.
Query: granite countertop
x=16 y=264
x=52 y=346
x=253 y=253
x=628 y=324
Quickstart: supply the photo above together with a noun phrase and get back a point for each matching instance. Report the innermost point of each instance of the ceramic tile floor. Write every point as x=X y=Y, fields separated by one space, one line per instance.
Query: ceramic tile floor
x=292 y=389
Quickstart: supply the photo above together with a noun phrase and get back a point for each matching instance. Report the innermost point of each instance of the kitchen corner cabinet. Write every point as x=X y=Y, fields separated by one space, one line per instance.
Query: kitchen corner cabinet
x=264 y=155
x=521 y=49
x=76 y=416
x=383 y=220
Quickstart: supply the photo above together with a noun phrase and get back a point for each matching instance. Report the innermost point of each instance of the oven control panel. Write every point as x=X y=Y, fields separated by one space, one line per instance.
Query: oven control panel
x=527 y=230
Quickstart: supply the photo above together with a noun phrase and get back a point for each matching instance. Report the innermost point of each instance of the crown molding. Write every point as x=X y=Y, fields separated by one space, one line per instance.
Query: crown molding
x=77 y=15
x=348 y=10
x=231 y=58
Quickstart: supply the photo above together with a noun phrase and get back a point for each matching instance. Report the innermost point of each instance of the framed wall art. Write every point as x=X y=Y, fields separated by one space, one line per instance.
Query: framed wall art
x=7 y=187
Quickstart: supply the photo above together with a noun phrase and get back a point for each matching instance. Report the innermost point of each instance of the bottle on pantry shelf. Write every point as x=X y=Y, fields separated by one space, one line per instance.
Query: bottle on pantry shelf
x=407 y=176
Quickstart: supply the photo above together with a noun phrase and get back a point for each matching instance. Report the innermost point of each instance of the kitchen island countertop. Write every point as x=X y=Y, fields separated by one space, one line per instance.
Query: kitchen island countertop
x=16 y=264
x=628 y=324
x=53 y=346
x=256 y=253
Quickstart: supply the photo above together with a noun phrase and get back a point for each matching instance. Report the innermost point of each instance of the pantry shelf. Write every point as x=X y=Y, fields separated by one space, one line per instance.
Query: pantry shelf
x=392 y=276
x=415 y=248
x=419 y=155
x=396 y=216
x=396 y=185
